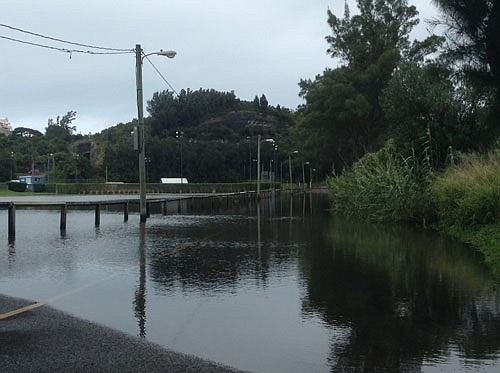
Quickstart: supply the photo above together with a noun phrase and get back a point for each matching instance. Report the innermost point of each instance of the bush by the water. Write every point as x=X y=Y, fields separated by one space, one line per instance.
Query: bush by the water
x=383 y=186
x=16 y=186
x=468 y=194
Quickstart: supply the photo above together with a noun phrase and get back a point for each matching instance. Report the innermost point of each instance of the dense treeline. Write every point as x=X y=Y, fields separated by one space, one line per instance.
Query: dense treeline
x=430 y=98
x=28 y=151
x=205 y=135
x=398 y=117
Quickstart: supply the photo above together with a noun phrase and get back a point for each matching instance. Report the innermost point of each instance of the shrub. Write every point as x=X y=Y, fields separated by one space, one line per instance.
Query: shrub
x=383 y=186
x=16 y=187
x=468 y=194
x=39 y=187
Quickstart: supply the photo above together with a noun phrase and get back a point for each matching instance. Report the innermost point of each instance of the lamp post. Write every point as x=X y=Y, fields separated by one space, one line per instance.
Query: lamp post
x=250 y=157
x=178 y=136
x=53 y=168
x=290 y=166
x=304 y=175
x=139 y=56
x=11 y=165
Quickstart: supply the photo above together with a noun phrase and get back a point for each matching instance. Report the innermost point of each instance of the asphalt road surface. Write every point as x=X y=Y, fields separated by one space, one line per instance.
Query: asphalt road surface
x=47 y=340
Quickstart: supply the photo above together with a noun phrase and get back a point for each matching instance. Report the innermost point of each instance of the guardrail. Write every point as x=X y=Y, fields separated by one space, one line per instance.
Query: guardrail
x=212 y=200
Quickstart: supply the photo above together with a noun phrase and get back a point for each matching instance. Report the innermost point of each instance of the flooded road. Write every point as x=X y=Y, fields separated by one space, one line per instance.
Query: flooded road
x=286 y=287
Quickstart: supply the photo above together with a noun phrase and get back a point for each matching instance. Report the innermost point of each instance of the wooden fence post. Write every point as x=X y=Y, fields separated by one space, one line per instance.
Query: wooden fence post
x=97 y=219
x=125 y=211
x=62 y=224
x=12 y=223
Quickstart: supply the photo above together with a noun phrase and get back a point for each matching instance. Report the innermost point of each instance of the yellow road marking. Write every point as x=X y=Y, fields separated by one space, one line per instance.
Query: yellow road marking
x=21 y=310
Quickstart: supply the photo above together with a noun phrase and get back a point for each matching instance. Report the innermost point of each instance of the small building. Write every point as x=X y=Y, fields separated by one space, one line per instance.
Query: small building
x=173 y=180
x=5 y=128
x=32 y=180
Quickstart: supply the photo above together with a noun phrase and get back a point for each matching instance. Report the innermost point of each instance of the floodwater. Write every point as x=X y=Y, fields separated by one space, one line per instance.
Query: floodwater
x=283 y=288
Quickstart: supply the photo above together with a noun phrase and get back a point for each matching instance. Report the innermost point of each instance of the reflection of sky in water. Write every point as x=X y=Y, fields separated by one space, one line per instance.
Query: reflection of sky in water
x=210 y=289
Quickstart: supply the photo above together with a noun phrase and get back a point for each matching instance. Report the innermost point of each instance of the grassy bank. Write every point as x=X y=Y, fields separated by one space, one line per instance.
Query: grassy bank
x=467 y=199
x=463 y=201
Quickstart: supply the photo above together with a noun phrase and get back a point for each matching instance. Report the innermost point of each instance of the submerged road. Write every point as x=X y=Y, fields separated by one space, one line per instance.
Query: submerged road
x=47 y=340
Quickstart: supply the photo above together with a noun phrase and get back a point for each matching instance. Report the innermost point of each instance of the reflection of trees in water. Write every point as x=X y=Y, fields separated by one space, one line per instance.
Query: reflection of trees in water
x=405 y=297
x=216 y=253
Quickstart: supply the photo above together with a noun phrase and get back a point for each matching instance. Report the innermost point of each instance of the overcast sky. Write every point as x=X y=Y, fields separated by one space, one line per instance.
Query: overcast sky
x=252 y=47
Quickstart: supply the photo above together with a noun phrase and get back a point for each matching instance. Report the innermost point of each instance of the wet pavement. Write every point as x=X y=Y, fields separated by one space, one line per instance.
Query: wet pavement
x=47 y=340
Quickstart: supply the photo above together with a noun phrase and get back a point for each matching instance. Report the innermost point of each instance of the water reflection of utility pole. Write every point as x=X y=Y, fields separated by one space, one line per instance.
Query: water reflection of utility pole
x=12 y=253
x=291 y=217
x=303 y=206
x=140 y=292
x=259 y=242
x=311 y=203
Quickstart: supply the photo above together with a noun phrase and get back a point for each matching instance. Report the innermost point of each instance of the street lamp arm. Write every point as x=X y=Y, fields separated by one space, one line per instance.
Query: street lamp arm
x=168 y=54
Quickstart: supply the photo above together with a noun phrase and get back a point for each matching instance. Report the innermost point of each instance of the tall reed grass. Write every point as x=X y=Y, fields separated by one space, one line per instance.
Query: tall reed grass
x=468 y=194
x=383 y=186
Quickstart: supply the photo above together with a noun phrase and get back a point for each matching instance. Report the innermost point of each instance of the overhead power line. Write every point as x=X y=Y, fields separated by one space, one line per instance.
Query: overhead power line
x=61 y=49
x=62 y=40
x=161 y=75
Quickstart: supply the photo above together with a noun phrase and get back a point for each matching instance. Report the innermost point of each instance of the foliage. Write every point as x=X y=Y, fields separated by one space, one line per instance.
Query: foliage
x=382 y=27
x=187 y=109
x=343 y=104
x=383 y=186
x=26 y=132
x=429 y=116
x=468 y=194
x=61 y=128
x=217 y=144
x=16 y=187
x=473 y=32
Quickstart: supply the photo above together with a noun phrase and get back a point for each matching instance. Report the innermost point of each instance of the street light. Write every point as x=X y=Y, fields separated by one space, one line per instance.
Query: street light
x=139 y=57
x=178 y=136
x=258 y=162
x=303 y=175
x=11 y=165
x=250 y=157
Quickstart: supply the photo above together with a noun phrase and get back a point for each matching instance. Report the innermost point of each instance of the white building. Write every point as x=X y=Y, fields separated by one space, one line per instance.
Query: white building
x=5 y=128
x=173 y=180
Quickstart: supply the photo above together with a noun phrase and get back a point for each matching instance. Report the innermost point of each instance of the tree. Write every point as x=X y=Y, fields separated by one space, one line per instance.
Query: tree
x=256 y=103
x=263 y=104
x=343 y=104
x=381 y=27
x=61 y=128
x=473 y=32
x=429 y=116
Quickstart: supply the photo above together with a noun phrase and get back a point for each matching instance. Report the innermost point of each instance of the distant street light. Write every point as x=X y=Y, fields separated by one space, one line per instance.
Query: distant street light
x=290 y=166
x=12 y=165
x=178 y=136
x=139 y=57
x=53 y=168
x=250 y=158
x=258 y=162
x=303 y=175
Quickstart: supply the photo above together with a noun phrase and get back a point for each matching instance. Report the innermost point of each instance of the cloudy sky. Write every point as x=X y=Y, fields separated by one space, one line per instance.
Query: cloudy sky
x=252 y=47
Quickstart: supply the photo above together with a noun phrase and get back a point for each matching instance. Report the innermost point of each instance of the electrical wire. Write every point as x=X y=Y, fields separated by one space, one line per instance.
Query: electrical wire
x=161 y=75
x=70 y=51
x=62 y=40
